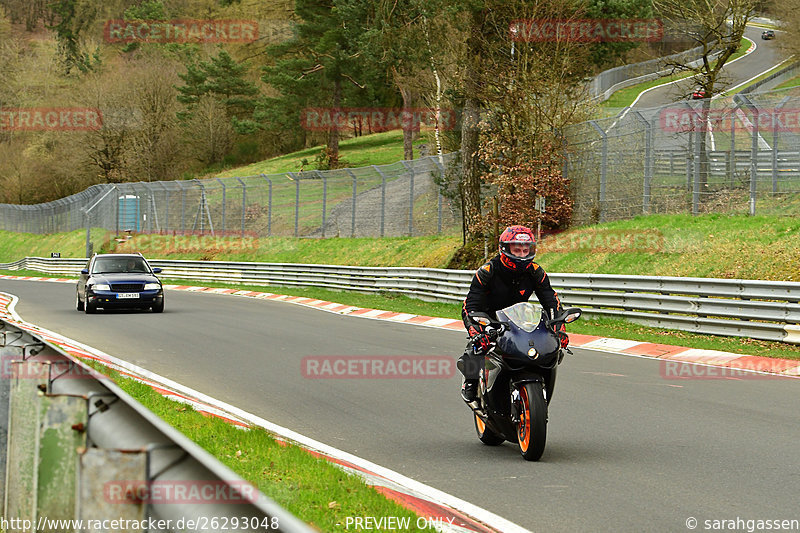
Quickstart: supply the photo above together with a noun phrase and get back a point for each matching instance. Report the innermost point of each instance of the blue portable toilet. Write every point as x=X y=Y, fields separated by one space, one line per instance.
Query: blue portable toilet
x=129 y=214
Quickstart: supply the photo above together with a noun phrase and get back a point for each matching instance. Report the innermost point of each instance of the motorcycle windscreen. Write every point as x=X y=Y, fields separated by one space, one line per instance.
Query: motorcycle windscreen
x=522 y=320
x=525 y=330
x=523 y=315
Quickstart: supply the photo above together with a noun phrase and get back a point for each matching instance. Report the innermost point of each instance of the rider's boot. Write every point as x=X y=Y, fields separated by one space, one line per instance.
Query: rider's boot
x=469 y=390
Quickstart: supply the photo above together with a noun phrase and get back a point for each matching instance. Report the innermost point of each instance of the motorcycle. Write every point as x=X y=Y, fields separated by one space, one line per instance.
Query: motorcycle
x=518 y=376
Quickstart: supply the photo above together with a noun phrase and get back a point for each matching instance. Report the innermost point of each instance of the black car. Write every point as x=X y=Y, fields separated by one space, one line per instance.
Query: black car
x=767 y=34
x=117 y=281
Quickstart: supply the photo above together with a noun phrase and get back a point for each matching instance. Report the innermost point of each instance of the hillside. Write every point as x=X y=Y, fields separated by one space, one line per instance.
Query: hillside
x=659 y=245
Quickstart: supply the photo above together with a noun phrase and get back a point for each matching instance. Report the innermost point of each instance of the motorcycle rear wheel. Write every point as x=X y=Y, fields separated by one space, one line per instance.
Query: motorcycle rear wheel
x=486 y=435
x=532 y=427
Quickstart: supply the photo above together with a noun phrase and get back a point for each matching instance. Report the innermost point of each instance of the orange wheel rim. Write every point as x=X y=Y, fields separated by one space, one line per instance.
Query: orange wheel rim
x=524 y=428
x=481 y=425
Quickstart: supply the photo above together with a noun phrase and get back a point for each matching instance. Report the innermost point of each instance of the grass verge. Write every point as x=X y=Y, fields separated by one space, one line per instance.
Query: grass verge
x=625 y=97
x=374 y=149
x=309 y=487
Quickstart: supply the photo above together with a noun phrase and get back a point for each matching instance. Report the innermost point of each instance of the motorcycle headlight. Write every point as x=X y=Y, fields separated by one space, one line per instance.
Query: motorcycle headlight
x=151 y=286
x=532 y=353
x=101 y=287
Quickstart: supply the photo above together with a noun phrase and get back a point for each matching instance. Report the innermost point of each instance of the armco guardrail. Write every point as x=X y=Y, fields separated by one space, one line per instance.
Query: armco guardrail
x=80 y=449
x=767 y=310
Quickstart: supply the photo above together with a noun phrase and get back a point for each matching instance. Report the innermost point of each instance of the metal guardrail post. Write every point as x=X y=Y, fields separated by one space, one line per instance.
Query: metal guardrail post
x=410 y=198
x=166 y=205
x=269 y=205
x=754 y=163
x=353 y=214
x=293 y=177
x=775 y=115
x=439 y=197
x=324 y=200
x=699 y=130
x=383 y=196
x=183 y=207
x=732 y=151
x=84 y=449
x=223 y=205
x=648 y=161
x=244 y=202
x=603 y=169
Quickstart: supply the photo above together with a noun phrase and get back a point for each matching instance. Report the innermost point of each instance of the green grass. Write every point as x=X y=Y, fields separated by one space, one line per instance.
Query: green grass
x=625 y=97
x=315 y=491
x=788 y=84
x=770 y=72
x=375 y=149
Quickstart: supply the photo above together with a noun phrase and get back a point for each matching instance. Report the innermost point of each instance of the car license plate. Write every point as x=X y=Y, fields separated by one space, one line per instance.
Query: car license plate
x=128 y=295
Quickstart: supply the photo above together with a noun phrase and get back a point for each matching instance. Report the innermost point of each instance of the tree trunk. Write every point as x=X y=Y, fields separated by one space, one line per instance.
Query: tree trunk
x=702 y=150
x=333 y=133
x=408 y=129
x=470 y=177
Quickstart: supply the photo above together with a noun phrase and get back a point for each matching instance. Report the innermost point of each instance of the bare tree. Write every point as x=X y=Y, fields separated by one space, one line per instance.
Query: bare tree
x=718 y=27
x=153 y=152
x=715 y=25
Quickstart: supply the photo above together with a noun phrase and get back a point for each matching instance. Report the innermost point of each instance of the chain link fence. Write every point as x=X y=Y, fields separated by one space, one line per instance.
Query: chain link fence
x=609 y=81
x=399 y=199
x=737 y=154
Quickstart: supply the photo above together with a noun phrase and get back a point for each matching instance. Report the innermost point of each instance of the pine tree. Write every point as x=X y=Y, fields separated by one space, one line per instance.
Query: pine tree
x=223 y=79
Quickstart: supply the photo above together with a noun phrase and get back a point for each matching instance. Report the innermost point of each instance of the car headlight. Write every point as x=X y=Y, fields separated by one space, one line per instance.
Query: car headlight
x=101 y=287
x=152 y=286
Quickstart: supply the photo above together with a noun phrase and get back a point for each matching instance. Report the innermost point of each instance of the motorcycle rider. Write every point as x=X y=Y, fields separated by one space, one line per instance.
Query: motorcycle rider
x=508 y=278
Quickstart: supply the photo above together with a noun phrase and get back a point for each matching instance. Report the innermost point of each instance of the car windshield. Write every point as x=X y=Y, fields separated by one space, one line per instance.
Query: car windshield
x=111 y=265
x=523 y=314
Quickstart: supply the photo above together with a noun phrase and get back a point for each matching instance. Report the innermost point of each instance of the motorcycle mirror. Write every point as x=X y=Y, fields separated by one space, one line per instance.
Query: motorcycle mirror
x=567 y=315
x=480 y=317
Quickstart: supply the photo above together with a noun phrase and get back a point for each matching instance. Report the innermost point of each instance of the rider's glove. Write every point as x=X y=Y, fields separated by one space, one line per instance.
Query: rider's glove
x=481 y=344
x=562 y=336
x=479 y=339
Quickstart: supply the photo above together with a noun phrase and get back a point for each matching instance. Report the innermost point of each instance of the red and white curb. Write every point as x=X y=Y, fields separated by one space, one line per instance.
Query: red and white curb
x=737 y=362
x=436 y=509
x=664 y=352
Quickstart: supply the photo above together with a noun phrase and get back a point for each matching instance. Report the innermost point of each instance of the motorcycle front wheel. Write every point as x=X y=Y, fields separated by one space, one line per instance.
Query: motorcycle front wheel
x=486 y=435
x=532 y=427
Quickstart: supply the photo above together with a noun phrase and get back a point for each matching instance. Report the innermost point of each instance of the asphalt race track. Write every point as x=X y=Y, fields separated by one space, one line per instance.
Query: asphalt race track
x=766 y=55
x=628 y=450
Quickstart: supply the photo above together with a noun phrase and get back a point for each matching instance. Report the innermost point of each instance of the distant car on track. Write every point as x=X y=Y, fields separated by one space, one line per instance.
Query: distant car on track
x=698 y=94
x=767 y=35
x=119 y=281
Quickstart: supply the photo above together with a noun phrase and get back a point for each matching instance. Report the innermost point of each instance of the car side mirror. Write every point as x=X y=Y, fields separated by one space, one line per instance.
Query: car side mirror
x=84 y=271
x=156 y=270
